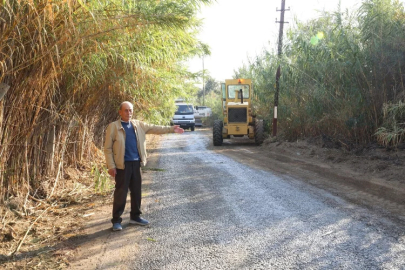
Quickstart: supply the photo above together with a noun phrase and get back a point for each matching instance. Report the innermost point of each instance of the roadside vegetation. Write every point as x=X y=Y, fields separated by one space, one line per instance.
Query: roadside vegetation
x=210 y=96
x=342 y=76
x=69 y=64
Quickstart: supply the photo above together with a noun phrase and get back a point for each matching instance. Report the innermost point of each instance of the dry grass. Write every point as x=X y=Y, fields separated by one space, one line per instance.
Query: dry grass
x=39 y=233
x=42 y=234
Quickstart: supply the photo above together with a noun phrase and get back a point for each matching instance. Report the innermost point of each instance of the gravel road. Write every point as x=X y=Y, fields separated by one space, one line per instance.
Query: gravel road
x=209 y=211
x=239 y=207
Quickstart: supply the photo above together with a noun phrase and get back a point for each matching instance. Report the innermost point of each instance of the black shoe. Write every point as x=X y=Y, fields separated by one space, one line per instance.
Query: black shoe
x=139 y=221
x=117 y=227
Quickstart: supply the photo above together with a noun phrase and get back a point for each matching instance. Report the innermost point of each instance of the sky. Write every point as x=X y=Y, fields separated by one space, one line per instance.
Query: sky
x=237 y=30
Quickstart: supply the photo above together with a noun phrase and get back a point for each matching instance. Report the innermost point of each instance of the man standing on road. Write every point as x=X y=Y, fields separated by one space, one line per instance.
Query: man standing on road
x=125 y=150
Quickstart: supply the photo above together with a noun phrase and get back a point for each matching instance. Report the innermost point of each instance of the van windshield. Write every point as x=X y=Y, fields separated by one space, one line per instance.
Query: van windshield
x=184 y=109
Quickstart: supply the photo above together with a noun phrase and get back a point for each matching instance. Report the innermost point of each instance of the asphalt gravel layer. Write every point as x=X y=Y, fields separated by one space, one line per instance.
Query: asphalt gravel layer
x=209 y=211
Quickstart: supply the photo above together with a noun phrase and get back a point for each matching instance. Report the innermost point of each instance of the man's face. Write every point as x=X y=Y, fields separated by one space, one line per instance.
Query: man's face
x=126 y=112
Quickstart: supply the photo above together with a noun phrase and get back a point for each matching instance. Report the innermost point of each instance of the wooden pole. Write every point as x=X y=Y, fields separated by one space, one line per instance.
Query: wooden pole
x=278 y=74
x=203 y=82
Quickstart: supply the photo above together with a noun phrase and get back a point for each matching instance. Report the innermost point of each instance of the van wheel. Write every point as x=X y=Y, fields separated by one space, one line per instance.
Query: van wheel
x=217 y=133
x=192 y=128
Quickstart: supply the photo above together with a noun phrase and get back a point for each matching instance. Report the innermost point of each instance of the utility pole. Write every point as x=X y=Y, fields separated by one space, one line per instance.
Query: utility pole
x=203 y=82
x=278 y=74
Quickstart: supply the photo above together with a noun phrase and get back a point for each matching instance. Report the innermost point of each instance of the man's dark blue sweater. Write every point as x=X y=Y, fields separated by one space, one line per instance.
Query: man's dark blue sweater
x=131 y=147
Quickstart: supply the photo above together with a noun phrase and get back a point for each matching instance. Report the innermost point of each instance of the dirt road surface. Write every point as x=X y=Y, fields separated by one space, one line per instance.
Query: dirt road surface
x=240 y=206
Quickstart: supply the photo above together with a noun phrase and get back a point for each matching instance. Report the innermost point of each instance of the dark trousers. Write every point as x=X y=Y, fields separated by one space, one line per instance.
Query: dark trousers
x=129 y=178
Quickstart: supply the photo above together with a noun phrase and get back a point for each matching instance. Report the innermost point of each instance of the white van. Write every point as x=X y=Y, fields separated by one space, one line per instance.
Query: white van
x=201 y=112
x=184 y=116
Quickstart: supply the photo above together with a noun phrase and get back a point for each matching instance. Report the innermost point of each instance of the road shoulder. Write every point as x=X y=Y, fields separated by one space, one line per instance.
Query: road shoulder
x=101 y=248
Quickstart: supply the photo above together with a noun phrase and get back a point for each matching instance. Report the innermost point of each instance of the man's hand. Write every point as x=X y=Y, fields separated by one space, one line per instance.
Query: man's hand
x=112 y=172
x=178 y=129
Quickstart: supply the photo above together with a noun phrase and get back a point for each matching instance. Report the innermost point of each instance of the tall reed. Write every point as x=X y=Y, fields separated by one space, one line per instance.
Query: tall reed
x=70 y=64
x=338 y=71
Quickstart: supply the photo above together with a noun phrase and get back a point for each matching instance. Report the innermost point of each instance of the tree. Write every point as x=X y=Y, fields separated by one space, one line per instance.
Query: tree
x=338 y=72
x=210 y=86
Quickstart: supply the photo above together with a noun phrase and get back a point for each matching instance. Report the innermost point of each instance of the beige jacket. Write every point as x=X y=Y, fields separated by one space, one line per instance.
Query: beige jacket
x=114 y=146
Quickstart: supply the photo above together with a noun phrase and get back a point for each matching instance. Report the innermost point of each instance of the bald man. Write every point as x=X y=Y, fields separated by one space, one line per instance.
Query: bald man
x=125 y=151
